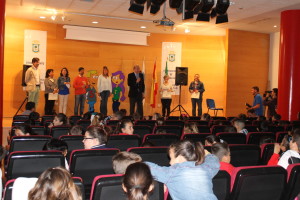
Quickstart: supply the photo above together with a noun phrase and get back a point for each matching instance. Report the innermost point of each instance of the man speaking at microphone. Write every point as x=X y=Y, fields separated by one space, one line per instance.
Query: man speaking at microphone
x=196 y=89
x=136 y=85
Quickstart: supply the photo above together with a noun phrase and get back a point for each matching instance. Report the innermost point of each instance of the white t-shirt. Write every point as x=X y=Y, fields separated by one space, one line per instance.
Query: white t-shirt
x=165 y=93
x=104 y=83
x=284 y=160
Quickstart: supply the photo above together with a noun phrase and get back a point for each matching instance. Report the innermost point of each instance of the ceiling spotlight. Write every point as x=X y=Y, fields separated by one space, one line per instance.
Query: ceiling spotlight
x=187 y=30
x=221 y=11
x=143 y=27
x=42 y=17
x=95 y=22
x=203 y=10
x=53 y=17
x=137 y=6
x=275 y=26
x=155 y=5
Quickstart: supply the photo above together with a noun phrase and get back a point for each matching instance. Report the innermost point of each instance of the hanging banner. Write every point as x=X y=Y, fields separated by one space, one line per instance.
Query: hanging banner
x=171 y=58
x=35 y=45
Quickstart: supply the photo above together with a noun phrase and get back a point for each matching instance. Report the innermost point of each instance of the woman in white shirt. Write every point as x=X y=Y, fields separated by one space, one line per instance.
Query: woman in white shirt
x=166 y=96
x=104 y=89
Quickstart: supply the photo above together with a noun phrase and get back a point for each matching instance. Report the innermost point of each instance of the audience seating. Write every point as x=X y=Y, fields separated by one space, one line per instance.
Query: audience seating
x=112 y=122
x=199 y=122
x=110 y=187
x=142 y=130
x=74 y=142
x=221 y=185
x=244 y=155
x=169 y=129
x=295 y=123
x=217 y=129
x=232 y=138
x=158 y=155
x=276 y=129
x=267 y=151
x=74 y=119
x=293 y=184
x=203 y=129
x=46 y=124
x=21 y=117
x=175 y=123
x=32 y=163
x=280 y=136
x=161 y=139
x=151 y=123
x=194 y=118
x=220 y=122
x=123 y=142
x=79 y=183
x=218 y=118
x=258 y=183
x=46 y=118
x=230 y=118
x=196 y=137
x=84 y=123
x=173 y=118
x=28 y=143
x=57 y=131
x=38 y=130
x=18 y=122
x=251 y=128
x=256 y=137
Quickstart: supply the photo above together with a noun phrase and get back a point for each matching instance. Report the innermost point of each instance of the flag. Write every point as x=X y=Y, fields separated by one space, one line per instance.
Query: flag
x=144 y=74
x=154 y=88
x=166 y=68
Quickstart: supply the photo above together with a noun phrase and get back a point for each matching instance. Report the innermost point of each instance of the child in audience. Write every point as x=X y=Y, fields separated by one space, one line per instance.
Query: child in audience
x=190 y=128
x=156 y=116
x=137 y=181
x=55 y=183
x=190 y=174
x=222 y=151
x=160 y=121
x=30 y=107
x=282 y=147
x=98 y=120
x=263 y=126
x=291 y=156
x=205 y=117
x=211 y=139
x=59 y=120
x=23 y=130
x=239 y=124
x=123 y=159
x=95 y=137
x=76 y=130
x=125 y=127
x=136 y=116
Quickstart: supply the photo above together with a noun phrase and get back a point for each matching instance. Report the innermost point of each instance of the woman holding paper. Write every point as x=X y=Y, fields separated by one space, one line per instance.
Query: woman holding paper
x=166 y=96
x=63 y=83
x=51 y=91
x=196 y=89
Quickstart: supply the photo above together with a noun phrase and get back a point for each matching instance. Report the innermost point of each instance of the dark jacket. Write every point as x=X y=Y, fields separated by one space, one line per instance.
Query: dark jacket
x=199 y=87
x=136 y=89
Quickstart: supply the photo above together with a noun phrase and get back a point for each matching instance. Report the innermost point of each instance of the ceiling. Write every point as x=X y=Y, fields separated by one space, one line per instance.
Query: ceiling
x=250 y=15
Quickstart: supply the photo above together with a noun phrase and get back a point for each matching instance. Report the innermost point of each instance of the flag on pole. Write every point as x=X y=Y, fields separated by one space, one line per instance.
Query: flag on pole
x=154 y=88
x=144 y=74
x=166 y=68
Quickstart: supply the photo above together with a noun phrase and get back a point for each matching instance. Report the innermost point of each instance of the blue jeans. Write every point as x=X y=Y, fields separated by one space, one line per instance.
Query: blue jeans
x=79 y=99
x=199 y=103
x=103 y=104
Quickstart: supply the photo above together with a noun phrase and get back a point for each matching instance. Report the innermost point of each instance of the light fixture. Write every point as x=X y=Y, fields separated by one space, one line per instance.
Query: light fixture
x=53 y=17
x=203 y=10
x=155 y=5
x=143 y=27
x=187 y=30
x=95 y=22
x=221 y=11
x=275 y=26
x=42 y=17
x=137 y=6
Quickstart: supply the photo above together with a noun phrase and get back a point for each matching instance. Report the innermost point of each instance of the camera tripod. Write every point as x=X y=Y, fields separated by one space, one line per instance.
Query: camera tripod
x=179 y=107
x=25 y=100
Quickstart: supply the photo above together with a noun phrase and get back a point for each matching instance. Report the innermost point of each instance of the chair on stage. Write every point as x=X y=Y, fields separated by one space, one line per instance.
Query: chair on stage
x=212 y=106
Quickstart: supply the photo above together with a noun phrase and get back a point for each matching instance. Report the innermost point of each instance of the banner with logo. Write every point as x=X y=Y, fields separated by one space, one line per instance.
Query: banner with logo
x=35 y=45
x=171 y=58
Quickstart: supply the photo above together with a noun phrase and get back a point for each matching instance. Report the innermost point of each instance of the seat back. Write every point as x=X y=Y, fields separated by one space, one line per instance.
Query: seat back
x=110 y=187
x=7 y=192
x=199 y=122
x=74 y=119
x=84 y=123
x=203 y=129
x=221 y=185
x=256 y=137
x=161 y=139
x=112 y=122
x=150 y=123
x=194 y=118
x=142 y=130
x=217 y=129
x=18 y=122
x=79 y=183
x=38 y=130
x=244 y=155
x=276 y=129
x=28 y=143
x=32 y=163
x=267 y=151
x=219 y=118
x=169 y=129
x=280 y=136
x=233 y=138
x=47 y=118
x=173 y=118
x=210 y=103
x=158 y=155
x=251 y=128
x=293 y=185
x=57 y=131
x=123 y=142
x=196 y=137
x=73 y=141
x=21 y=117
x=259 y=183
x=174 y=122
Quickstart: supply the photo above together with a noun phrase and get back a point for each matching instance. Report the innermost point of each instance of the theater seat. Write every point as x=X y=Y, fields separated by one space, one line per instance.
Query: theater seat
x=110 y=187
x=161 y=139
x=151 y=123
x=38 y=130
x=123 y=142
x=169 y=129
x=79 y=183
x=221 y=185
x=198 y=122
x=73 y=141
x=74 y=119
x=244 y=155
x=84 y=123
x=267 y=151
x=196 y=137
x=57 y=131
x=280 y=136
x=175 y=123
x=203 y=128
x=112 y=122
x=255 y=137
x=217 y=129
x=28 y=143
x=293 y=185
x=32 y=163
x=142 y=130
x=158 y=155
x=258 y=183
x=232 y=138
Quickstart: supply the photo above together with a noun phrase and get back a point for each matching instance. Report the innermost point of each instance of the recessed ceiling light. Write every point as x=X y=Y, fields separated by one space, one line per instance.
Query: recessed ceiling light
x=143 y=27
x=187 y=30
x=42 y=17
x=94 y=22
x=275 y=26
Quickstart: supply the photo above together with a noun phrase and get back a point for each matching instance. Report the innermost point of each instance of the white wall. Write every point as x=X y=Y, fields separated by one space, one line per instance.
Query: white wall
x=274 y=60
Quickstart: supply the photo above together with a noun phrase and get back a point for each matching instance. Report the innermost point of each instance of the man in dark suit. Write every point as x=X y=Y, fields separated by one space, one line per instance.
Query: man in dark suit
x=136 y=83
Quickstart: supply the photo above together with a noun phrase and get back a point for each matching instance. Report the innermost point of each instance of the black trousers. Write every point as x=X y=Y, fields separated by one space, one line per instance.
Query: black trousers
x=199 y=103
x=166 y=104
x=49 y=105
x=139 y=101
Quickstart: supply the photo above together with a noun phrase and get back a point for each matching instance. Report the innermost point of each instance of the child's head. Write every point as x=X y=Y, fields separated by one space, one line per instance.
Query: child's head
x=295 y=142
x=76 y=130
x=60 y=119
x=30 y=106
x=117 y=115
x=56 y=183
x=58 y=145
x=205 y=117
x=160 y=121
x=186 y=150
x=137 y=181
x=123 y=111
x=242 y=116
x=276 y=117
x=156 y=116
x=98 y=119
x=230 y=129
x=136 y=116
x=222 y=151
x=23 y=130
x=239 y=124
x=191 y=128
x=264 y=126
x=87 y=116
x=285 y=143
x=123 y=159
x=94 y=136
x=211 y=139
x=126 y=126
